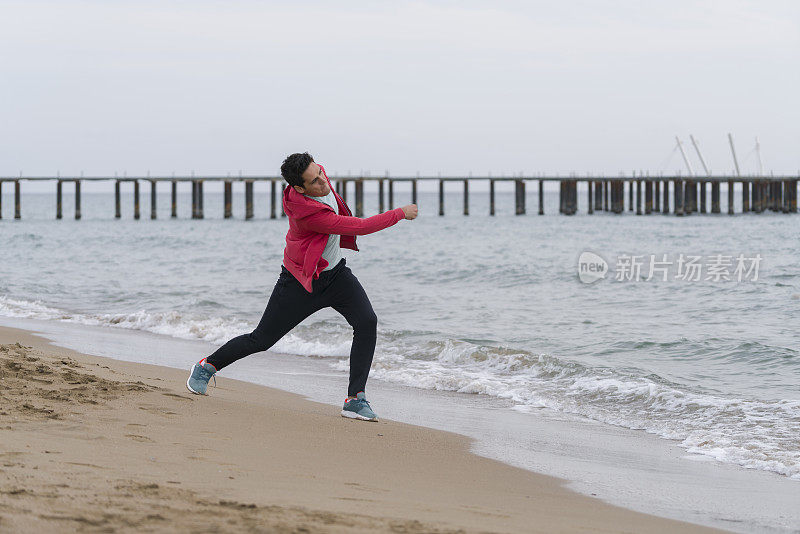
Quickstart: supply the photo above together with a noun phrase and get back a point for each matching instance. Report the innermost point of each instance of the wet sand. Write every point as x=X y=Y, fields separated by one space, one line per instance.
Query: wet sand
x=92 y=444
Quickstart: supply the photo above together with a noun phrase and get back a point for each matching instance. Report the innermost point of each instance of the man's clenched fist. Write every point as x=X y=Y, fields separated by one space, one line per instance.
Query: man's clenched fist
x=410 y=211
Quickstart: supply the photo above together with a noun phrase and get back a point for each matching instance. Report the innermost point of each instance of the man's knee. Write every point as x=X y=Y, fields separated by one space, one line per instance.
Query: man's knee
x=259 y=341
x=367 y=325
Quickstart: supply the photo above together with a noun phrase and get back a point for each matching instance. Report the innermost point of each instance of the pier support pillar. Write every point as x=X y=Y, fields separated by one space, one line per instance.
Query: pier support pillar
x=200 y=212
x=598 y=195
x=272 y=199
x=630 y=196
x=117 y=203
x=58 y=198
x=152 y=199
x=745 y=197
x=248 y=199
x=391 y=194
x=730 y=197
x=360 y=197
x=619 y=196
x=687 y=197
x=228 y=199
x=793 y=200
x=174 y=199
x=520 y=197
x=754 y=197
x=648 y=197
x=765 y=195
x=678 y=198
x=606 y=195
x=656 y=195
x=136 y=199
x=413 y=191
x=283 y=188
x=380 y=196
x=17 y=201
x=770 y=196
x=665 y=210
x=541 y=197
x=703 y=204
x=77 y=200
x=770 y=192
x=571 y=197
x=591 y=200
x=757 y=196
x=616 y=197
x=638 y=197
x=194 y=199
x=466 y=197
x=1 y=199
x=491 y=197
x=715 y=197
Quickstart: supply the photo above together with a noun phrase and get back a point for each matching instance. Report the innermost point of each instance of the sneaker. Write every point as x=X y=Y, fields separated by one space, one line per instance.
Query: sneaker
x=202 y=372
x=358 y=408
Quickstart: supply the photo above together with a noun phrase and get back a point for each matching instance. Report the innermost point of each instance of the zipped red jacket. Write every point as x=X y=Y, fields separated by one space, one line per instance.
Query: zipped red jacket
x=310 y=223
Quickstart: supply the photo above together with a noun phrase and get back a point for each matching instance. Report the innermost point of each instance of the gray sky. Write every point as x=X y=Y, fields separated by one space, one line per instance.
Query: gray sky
x=451 y=87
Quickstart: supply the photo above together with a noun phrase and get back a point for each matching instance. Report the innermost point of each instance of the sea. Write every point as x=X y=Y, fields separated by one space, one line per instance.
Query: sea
x=581 y=336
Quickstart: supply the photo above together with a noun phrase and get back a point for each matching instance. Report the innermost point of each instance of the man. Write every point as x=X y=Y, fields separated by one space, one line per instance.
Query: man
x=314 y=276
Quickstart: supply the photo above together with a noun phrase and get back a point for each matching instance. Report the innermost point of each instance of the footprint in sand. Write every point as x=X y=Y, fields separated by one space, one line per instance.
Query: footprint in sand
x=158 y=410
x=142 y=439
x=181 y=397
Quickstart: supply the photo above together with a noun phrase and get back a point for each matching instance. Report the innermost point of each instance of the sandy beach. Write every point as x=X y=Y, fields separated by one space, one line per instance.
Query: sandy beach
x=94 y=444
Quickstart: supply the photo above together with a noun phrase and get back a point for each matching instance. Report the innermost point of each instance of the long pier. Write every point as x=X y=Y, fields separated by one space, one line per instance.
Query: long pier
x=679 y=195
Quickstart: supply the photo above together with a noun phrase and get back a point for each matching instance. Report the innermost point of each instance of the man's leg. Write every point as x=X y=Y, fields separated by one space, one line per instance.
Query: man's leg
x=288 y=305
x=346 y=296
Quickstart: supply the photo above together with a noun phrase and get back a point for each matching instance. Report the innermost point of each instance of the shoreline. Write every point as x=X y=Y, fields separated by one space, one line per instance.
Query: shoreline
x=146 y=436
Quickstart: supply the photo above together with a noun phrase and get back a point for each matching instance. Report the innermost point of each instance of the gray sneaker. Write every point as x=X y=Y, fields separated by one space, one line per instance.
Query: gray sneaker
x=202 y=372
x=358 y=408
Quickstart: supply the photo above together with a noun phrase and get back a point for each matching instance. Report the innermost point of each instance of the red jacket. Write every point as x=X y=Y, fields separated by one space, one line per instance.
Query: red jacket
x=310 y=223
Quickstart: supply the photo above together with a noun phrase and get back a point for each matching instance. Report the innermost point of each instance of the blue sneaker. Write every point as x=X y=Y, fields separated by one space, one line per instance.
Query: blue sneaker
x=202 y=372
x=358 y=408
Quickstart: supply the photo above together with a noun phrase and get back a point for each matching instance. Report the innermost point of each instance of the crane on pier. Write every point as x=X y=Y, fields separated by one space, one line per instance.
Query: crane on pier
x=699 y=155
x=758 y=156
x=683 y=154
x=733 y=152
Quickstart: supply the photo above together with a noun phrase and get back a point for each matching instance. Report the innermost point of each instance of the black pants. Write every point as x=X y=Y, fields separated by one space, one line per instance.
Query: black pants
x=290 y=303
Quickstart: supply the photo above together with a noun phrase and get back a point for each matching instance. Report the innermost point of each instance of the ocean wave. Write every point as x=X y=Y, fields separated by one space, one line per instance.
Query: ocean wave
x=748 y=432
x=752 y=433
x=174 y=324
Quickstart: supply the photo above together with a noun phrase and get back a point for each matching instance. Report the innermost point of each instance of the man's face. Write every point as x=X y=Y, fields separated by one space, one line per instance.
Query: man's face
x=315 y=184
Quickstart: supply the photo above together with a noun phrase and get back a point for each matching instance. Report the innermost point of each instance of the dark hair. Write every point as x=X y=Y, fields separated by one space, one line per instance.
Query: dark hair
x=294 y=166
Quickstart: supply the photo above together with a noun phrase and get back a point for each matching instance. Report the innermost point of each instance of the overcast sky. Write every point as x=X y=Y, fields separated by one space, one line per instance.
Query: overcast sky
x=428 y=86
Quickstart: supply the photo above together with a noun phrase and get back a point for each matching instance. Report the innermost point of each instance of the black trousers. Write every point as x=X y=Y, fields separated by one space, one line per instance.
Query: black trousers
x=290 y=303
